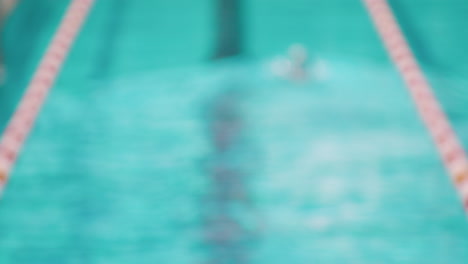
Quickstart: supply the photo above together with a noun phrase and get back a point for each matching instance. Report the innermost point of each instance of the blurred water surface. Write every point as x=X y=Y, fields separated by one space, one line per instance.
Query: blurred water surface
x=119 y=168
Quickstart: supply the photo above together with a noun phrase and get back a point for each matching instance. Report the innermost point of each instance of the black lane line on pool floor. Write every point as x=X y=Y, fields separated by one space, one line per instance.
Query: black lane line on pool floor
x=231 y=221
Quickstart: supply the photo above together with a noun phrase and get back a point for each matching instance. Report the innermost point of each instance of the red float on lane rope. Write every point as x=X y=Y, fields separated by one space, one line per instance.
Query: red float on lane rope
x=23 y=119
x=450 y=149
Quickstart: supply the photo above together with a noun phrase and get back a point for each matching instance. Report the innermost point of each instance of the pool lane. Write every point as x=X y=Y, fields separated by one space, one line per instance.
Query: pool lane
x=115 y=169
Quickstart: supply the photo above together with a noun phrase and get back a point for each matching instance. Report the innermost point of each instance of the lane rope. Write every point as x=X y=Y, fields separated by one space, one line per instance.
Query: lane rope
x=430 y=110
x=28 y=108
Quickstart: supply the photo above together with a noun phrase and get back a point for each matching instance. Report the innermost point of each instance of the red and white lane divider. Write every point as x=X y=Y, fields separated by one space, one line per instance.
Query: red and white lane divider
x=23 y=119
x=450 y=149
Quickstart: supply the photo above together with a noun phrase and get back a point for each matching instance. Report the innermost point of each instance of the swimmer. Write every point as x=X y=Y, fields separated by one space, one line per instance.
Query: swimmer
x=298 y=57
x=296 y=66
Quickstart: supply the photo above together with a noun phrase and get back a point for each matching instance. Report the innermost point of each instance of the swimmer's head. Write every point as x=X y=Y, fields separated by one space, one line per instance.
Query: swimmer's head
x=298 y=53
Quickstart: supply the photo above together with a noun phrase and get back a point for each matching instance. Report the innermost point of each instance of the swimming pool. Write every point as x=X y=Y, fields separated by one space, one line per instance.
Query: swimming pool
x=120 y=165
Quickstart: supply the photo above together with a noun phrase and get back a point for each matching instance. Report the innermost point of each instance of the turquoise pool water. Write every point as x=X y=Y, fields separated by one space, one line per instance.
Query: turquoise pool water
x=119 y=168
